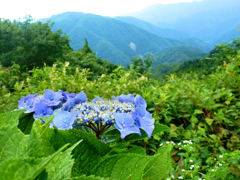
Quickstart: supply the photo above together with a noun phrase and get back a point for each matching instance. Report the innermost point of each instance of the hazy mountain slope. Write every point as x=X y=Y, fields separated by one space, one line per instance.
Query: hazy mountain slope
x=109 y=37
x=185 y=38
x=169 y=33
x=177 y=54
x=206 y=20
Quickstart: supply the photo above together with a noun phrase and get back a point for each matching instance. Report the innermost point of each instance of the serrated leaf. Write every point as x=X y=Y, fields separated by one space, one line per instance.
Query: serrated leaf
x=129 y=166
x=84 y=177
x=61 y=166
x=135 y=166
x=159 y=167
x=25 y=168
x=10 y=118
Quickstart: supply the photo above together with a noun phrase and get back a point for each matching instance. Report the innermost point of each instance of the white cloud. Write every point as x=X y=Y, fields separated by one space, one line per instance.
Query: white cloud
x=132 y=46
x=13 y=9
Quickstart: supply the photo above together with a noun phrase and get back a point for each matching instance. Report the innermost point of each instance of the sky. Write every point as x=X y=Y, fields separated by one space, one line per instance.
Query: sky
x=15 y=9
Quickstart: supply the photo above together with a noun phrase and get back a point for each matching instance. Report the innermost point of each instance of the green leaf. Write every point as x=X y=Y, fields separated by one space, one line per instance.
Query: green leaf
x=160 y=128
x=159 y=167
x=84 y=177
x=209 y=121
x=25 y=168
x=198 y=111
x=194 y=120
x=61 y=166
x=10 y=118
x=135 y=166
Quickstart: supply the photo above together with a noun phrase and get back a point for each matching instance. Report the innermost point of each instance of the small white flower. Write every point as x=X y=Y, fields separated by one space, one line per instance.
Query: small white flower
x=220 y=156
x=180 y=177
x=191 y=161
x=161 y=144
x=199 y=178
x=172 y=176
x=183 y=170
x=179 y=144
x=213 y=170
x=220 y=164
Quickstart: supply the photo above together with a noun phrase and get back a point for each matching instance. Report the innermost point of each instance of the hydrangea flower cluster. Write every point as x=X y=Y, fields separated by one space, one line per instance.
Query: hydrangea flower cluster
x=126 y=112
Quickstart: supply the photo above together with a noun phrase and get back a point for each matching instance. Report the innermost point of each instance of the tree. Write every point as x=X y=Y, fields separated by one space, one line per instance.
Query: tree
x=30 y=44
x=141 y=65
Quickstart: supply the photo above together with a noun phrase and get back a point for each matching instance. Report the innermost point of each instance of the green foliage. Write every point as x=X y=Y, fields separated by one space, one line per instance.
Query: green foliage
x=135 y=166
x=28 y=156
x=196 y=110
x=43 y=154
x=177 y=54
x=141 y=65
x=85 y=58
x=30 y=44
x=217 y=57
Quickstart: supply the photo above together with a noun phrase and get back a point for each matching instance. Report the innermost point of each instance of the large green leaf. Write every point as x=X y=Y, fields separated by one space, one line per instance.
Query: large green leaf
x=135 y=166
x=25 y=168
x=159 y=166
x=10 y=118
x=27 y=156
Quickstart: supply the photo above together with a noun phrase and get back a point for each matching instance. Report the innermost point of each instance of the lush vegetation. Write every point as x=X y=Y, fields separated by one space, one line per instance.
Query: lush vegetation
x=196 y=112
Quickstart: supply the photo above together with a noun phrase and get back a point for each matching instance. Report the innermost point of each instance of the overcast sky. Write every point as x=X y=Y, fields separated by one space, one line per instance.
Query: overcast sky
x=14 y=9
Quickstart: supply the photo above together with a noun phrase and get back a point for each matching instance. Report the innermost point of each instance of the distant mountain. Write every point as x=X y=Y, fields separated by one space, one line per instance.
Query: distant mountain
x=177 y=54
x=206 y=20
x=110 y=38
x=167 y=33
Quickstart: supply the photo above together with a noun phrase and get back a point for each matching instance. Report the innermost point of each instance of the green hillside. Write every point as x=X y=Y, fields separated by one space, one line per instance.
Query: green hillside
x=177 y=54
x=185 y=38
x=108 y=37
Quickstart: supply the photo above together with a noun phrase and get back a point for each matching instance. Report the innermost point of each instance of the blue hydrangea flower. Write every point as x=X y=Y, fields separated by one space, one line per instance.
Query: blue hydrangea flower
x=139 y=101
x=53 y=98
x=80 y=98
x=42 y=109
x=28 y=103
x=72 y=102
x=67 y=95
x=144 y=120
x=64 y=119
x=125 y=98
x=126 y=112
x=125 y=124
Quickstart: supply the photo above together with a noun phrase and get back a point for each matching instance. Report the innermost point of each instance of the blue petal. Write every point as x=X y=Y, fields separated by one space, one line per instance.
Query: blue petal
x=97 y=99
x=64 y=119
x=144 y=120
x=67 y=96
x=69 y=105
x=129 y=130
x=125 y=124
x=42 y=109
x=80 y=98
x=28 y=103
x=124 y=98
x=139 y=101
x=53 y=98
